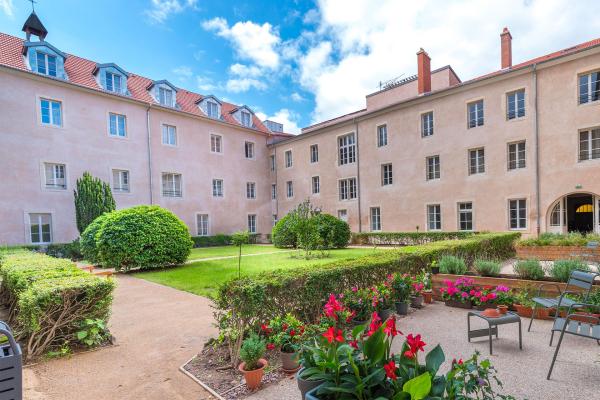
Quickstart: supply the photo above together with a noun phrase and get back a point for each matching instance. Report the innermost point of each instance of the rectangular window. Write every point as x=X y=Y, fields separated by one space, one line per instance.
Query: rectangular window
x=434 y=217
x=475 y=113
x=216 y=143
x=272 y=159
x=589 y=87
x=348 y=189
x=171 y=184
x=51 y=112
x=343 y=215
x=314 y=153
x=465 y=216
x=169 y=135
x=476 y=161
x=116 y=123
x=515 y=104
x=288 y=159
x=120 y=180
x=289 y=185
x=113 y=82
x=427 y=124
x=516 y=155
x=347 y=149
x=246 y=120
x=589 y=144
x=217 y=187
x=386 y=175
x=252 y=223
x=433 y=167
x=249 y=149
x=273 y=191
x=202 y=224
x=40 y=228
x=165 y=97
x=55 y=176
x=316 y=185
x=212 y=109
x=46 y=64
x=274 y=219
x=375 y=219
x=382 y=138
x=250 y=190
x=517 y=210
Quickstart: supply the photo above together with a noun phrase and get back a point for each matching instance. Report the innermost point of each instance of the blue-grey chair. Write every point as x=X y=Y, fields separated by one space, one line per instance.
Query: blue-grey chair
x=590 y=328
x=581 y=280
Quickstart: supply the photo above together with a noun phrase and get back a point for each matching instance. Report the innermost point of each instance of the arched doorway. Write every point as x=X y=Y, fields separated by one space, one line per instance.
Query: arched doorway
x=575 y=212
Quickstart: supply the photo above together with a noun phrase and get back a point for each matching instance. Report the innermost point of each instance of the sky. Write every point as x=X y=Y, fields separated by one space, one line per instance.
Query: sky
x=300 y=61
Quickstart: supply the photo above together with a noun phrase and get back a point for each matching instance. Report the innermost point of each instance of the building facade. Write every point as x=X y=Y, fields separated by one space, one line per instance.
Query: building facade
x=518 y=149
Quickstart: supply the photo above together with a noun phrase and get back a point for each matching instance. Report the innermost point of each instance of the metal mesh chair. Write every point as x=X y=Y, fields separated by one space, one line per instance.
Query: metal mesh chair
x=11 y=367
x=583 y=326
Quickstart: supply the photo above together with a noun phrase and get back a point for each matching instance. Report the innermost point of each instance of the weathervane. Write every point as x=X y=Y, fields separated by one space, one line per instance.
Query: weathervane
x=32 y=4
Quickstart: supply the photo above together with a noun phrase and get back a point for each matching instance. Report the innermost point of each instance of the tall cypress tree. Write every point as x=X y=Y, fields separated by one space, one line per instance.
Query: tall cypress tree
x=93 y=198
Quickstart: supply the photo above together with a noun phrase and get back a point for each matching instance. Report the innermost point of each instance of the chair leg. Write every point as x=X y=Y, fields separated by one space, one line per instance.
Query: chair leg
x=551 y=338
x=562 y=333
x=532 y=315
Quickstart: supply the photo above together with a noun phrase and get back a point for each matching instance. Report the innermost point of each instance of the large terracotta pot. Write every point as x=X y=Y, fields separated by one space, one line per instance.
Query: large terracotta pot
x=289 y=361
x=428 y=297
x=526 y=312
x=254 y=377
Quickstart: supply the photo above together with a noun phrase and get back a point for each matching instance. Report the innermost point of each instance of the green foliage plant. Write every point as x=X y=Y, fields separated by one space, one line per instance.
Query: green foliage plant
x=93 y=197
x=529 y=269
x=452 y=265
x=561 y=269
x=93 y=332
x=252 y=350
x=487 y=267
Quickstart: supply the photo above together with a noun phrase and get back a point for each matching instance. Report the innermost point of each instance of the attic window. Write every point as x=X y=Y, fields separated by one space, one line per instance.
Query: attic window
x=113 y=82
x=46 y=64
x=246 y=121
x=165 y=97
x=212 y=109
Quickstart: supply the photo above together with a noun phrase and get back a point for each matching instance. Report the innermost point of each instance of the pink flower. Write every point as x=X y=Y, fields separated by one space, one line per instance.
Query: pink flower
x=354 y=289
x=491 y=296
x=464 y=295
x=502 y=288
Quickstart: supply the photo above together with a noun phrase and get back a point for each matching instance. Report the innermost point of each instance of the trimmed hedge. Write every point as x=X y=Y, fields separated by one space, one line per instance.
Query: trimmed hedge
x=49 y=298
x=405 y=238
x=220 y=239
x=559 y=239
x=87 y=242
x=301 y=291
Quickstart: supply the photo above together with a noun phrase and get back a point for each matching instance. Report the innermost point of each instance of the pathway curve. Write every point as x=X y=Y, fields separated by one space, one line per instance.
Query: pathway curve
x=157 y=329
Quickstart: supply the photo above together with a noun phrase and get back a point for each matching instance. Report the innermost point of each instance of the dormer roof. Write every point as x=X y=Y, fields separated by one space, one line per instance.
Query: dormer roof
x=42 y=43
x=210 y=97
x=110 y=65
x=162 y=82
x=243 y=107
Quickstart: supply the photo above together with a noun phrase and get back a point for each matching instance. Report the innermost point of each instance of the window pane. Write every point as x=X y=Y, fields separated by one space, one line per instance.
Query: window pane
x=56 y=114
x=45 y=109
x=41 y=63
x=51 y=65
x=583 y=88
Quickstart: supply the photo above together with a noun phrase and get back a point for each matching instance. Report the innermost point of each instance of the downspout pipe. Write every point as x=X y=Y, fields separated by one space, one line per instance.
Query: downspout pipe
x=358 y=175
x=537 y=153
x=148 y=137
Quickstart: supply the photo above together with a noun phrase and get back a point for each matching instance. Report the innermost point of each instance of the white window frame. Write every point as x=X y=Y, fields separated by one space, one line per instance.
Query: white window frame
x=39 y=224
x=315 y=185
x=54 y=182
x=246 y=119
x=289 y=159
x=46 y=65
x=273 y=191
x=343 y=215
x=465 y=211
x=519 y=206
x=479 y=161
x=51 y=117
x=387 y=174
x=348 y=189
x=520 y=155
x=591 y=153
x=434 y=217
x=216 y=143
x=176 y=180
x=289 y=189
x=118 y=185
x=274 y=221
x=218 y=188
x=382 y=135
x=252 y=223
x=113 y=78
x=427 y=124
x=512 y=100
x=202 y=224
x=212 y=109
x=432 y=168
x=249 y=150
x=166 y=96
x=118 y=132
x=475 y=116
x=169 y=132
x=314 y=153
x=346 y=149
x=589 y=87
x=375 y=219
x=251 y=190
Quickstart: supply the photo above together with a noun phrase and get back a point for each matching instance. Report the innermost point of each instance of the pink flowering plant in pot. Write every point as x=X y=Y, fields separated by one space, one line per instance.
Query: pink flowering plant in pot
x=458 y=293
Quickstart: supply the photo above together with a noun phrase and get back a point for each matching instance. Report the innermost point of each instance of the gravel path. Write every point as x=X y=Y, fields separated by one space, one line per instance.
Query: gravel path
x=157 y=329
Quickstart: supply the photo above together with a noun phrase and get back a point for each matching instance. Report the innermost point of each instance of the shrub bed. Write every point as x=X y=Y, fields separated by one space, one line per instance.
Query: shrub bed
x=557 y=239
x=49 y=300
x=300 y=291
x=219 y=239
x=405 y=238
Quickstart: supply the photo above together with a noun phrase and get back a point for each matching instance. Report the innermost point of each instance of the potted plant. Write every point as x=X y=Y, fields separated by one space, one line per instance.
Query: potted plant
x=286 y=333
x=434 y=267
x=427 y=292
x=382 y=300
x=308 y=377
x=401 y=293
x=358 y=301
x=524 y=306
x=458 y=293
x=483 y=297
x=253 y=364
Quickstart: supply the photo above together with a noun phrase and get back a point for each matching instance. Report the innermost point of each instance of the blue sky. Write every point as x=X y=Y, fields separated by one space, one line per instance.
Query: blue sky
x=302 y=61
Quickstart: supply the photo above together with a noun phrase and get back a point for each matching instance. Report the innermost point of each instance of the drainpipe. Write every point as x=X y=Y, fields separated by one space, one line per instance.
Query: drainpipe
x=358 y=175
x=537 y=152
x=276 y=182
x=149 y=153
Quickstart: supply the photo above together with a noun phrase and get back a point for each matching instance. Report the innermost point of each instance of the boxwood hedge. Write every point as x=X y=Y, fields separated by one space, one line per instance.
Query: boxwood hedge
x=405 y=238
x=49 y=298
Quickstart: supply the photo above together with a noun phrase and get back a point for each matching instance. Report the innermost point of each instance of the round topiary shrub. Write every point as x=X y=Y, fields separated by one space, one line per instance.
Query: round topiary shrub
x=142 y=237
x=283 y=234
x=87 y=242
x=334 y=232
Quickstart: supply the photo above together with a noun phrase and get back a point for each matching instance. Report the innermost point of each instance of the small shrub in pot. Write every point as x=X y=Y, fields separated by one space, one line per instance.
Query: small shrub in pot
x=487 y=267
x=561 y=269
x=452 y=265
x=529 y=269
x=251 y=353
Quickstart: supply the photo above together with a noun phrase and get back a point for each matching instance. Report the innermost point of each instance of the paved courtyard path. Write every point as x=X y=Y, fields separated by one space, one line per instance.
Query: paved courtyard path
x=157 y=329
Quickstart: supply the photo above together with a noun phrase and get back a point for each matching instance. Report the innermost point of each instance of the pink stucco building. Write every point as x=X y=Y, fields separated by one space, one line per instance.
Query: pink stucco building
x=516 y=149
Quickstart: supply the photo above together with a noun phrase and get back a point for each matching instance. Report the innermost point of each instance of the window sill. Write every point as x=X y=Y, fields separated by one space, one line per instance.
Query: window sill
x=523 y=118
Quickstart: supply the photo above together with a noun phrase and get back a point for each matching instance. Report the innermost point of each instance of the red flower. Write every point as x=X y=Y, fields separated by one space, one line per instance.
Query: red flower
x=270 y=346
x=292 y=333
x=266 y=329
x=332 y=307
x=409 y=354
x=351 y=316
x=390 y=370
x=284 y=327
x=390 y=327
x=415 y=343
x=331 y=335
x=353 y=343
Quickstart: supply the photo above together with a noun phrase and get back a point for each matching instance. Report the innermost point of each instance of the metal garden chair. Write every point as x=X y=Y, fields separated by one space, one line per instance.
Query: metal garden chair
x=584 y=326
x=578 y=279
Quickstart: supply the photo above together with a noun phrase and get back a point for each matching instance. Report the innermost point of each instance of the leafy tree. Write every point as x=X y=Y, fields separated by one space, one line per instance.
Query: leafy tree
x=93 y=198
x=239 y=239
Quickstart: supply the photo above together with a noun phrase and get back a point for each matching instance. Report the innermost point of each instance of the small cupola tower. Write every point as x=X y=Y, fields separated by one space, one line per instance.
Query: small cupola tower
x=33 y=26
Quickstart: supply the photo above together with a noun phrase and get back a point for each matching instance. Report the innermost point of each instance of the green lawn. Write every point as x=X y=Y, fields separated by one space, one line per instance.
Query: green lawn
x=203 y=277
x=224 y=251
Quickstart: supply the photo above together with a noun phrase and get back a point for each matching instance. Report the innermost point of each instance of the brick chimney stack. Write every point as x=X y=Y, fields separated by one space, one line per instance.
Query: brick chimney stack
x=424 y=71
x=506 y=48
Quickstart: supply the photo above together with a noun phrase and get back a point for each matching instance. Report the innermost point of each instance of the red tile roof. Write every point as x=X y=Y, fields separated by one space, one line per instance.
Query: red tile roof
x=80 y=72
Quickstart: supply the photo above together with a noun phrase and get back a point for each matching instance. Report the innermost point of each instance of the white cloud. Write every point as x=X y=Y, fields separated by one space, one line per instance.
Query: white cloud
x=7 y=7
x=297 y=97
x=349 y=54
x=288 y=118
x=245 y=70
x=237 y=85
x=251 y=41
x=205 y=85
x=160 y=10
x=183 y=72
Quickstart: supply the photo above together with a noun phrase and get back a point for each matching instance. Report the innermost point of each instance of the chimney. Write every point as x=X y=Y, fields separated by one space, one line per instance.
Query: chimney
x=506 y=48
x=424 y=71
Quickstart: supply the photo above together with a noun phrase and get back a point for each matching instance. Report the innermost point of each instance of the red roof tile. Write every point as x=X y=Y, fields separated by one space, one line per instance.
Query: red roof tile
x=80 y=72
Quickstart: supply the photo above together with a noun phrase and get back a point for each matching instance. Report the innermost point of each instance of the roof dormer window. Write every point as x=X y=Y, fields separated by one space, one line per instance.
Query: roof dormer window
x=113 y=82
x=165 y=97
x=246 y=120
x=212 y=109
x=210 y=106
x=46 y=64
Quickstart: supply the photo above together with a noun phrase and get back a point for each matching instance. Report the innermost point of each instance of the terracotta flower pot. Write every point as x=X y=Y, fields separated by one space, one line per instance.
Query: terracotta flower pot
x=253 y=378
x=503 y=309
x=289 y=361
x=526 y=312
x=585 y=317
x=428 y=297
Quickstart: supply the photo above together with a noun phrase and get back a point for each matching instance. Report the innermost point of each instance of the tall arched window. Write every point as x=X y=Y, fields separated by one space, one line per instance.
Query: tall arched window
x=555 y=215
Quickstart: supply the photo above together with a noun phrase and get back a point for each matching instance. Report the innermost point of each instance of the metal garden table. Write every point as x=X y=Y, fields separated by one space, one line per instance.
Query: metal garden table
x=492 y=329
